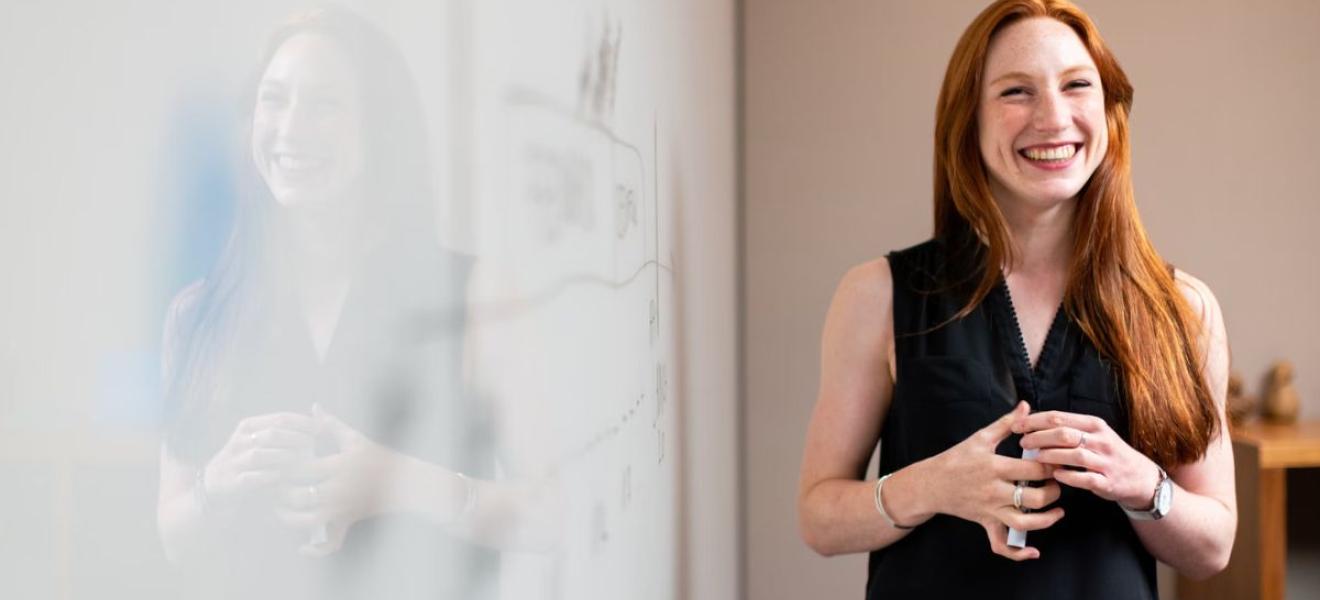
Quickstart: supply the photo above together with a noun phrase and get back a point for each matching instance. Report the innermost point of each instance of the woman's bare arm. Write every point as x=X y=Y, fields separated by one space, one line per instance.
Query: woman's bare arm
x=836 y=506
x=836 y=509
x=1196 y=537
x=180 y=518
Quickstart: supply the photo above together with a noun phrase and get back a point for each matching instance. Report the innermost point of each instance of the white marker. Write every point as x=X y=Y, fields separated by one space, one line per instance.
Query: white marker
x=1016 y=537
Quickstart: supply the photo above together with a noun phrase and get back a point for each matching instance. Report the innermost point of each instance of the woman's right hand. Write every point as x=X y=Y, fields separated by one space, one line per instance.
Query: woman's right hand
x=971 y=482
x=256 y=456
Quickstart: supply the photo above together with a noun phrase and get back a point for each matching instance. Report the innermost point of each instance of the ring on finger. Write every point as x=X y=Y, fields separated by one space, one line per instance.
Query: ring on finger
x=1017 y=494
x=1082 y=442
x=312 y=495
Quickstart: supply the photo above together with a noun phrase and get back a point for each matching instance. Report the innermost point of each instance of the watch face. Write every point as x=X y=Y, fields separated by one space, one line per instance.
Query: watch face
x=1163 y=498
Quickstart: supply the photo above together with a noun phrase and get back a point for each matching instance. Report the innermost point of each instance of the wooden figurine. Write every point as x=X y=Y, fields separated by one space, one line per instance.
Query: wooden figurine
x=1241 y=407
x=1280 y=397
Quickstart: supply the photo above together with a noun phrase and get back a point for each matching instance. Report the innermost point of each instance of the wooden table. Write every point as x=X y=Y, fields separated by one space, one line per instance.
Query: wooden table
x=1262 y=453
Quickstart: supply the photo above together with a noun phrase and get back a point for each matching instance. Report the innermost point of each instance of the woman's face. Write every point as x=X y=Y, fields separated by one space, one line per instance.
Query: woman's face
x=307 y=123
x=1042 y=114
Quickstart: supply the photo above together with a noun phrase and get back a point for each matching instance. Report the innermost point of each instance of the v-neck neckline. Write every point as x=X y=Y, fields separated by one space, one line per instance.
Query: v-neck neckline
x=321 y=355
x=1034 y=374
x=296 y=330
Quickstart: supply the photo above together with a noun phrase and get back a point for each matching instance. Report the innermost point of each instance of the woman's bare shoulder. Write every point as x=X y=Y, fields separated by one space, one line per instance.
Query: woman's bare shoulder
x=1213 y=335
x=862 y=302
x=869 y=284
x=871 y=279
x=1199 y=297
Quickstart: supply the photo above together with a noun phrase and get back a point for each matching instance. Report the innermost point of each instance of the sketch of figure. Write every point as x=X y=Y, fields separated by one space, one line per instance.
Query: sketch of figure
x=316 y=446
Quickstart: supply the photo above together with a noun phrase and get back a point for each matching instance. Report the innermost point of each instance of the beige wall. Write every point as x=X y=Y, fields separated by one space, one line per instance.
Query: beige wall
x=701 y=179
x=838 y=114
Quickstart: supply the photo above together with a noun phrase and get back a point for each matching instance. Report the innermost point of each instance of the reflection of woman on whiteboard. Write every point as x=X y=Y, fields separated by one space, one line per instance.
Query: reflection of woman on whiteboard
x=319 y=445
x=1039 y=320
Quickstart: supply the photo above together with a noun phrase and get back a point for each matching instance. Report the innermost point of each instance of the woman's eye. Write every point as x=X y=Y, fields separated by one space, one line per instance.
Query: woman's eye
x=1080 y=83
x=1013 y=91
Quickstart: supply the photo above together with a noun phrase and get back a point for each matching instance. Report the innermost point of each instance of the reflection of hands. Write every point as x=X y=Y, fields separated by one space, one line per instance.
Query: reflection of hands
x=258 y=453
x=1113 y=469
x=978 y=485
x=337 y=490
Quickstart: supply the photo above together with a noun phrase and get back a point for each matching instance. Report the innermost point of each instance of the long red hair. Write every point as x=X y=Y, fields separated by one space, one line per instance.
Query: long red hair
x=1120 y=292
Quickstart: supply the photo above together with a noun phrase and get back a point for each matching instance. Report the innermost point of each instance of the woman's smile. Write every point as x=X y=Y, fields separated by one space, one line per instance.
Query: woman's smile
x=306 y=127
x=1041 y=117
x=1051 y=157
x=298 y=168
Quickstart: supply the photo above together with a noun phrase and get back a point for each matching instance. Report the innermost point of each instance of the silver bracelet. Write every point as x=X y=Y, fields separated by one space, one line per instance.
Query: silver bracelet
x=880 y=506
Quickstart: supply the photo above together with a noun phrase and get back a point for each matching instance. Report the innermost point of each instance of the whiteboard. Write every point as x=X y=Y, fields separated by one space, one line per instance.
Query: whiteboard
x=581 y=152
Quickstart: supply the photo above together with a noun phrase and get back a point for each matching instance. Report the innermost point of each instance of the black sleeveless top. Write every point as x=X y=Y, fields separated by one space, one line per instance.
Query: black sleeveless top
x=957 y=378
x=392 y=372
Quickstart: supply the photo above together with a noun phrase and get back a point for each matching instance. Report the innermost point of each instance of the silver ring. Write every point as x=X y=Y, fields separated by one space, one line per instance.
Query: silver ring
x=311 y=491
x=1082 y=443
x=1017 y=495
x=252 y=437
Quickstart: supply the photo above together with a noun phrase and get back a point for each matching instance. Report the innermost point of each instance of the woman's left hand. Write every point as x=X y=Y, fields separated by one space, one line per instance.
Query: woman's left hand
x=1114 y=470
x=336 y=491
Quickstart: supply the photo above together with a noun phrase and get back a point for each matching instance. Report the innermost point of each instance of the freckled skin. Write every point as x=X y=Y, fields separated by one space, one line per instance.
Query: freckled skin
x=1041 y=87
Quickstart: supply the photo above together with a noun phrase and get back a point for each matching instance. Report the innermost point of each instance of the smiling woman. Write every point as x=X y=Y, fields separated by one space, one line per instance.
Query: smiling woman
x=1042 y=114
x=1036 y=376
x=314 y=448
x=306 y=127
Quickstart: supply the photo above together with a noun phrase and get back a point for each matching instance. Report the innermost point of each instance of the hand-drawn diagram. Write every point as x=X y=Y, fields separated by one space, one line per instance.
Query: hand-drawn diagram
x=575 y=316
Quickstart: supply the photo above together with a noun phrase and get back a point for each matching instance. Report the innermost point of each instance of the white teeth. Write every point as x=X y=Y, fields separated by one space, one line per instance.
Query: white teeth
x=1056 y=153
x=290 y=163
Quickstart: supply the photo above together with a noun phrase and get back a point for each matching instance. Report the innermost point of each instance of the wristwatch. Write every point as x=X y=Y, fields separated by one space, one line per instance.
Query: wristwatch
x=1160 y=503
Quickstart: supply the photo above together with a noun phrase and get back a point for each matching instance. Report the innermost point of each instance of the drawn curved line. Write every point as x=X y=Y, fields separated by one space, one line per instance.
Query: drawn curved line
x=432 y=324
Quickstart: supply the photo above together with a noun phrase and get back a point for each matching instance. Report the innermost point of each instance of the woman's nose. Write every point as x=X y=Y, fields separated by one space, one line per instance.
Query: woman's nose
x=293 y=121
x=1052 y=112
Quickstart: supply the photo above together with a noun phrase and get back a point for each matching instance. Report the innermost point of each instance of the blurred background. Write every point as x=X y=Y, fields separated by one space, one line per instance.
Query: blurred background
x=658 y=198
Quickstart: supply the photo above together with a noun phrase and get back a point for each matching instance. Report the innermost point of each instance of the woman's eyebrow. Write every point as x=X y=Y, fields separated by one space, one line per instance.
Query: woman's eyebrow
x=1085 y=68
x=1011 y=75
x=1021 y=75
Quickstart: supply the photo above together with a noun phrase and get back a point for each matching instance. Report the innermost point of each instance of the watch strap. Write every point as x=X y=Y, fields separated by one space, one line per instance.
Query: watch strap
x=1154 y=513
